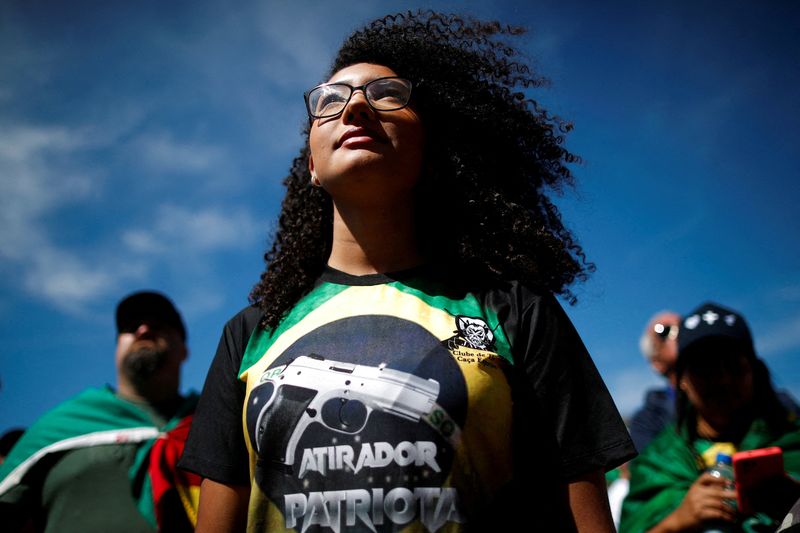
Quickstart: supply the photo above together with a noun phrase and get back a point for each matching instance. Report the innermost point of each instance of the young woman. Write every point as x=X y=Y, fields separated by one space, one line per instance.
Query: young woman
x=404 y=363
x=725 y=403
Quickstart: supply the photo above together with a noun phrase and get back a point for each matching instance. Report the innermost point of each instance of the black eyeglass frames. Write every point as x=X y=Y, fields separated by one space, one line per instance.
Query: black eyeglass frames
x=383 y=94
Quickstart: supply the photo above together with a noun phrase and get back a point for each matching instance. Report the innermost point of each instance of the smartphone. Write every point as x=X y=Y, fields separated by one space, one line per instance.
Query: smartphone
x=753 y=468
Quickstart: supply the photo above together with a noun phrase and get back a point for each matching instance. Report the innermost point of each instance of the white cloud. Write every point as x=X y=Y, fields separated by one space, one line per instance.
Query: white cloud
x=38 y=179
x=143 y=241
x=178 y=230
x=42 y=173
x=69 y=280
x=31 y=187
x=162 y=152
x=63 y=278
x=21 y=142
x=28 y=186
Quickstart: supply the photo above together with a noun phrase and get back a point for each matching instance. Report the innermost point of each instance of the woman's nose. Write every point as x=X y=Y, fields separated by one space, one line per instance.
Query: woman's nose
x=357 y=107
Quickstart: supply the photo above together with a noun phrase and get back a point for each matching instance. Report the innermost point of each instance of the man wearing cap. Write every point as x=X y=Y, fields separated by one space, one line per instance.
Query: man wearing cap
x=725 y=403
x=105 y=460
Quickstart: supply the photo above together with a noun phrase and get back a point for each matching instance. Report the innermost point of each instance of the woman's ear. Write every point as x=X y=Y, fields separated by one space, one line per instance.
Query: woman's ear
x=314 y=179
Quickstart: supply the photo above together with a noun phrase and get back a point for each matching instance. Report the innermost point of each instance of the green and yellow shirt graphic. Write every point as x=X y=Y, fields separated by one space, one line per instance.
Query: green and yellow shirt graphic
x=412 y=401
x=368 y=405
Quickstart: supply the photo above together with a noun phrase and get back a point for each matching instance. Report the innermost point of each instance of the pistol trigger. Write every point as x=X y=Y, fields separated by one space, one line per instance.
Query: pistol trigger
x=345 y=415
x=353 y=415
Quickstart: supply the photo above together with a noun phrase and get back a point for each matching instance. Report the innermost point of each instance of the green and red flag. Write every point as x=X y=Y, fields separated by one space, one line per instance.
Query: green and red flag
x=165 y=495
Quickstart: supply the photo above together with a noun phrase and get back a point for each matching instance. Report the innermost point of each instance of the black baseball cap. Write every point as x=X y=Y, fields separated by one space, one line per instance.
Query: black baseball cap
x=148 y=305
x=713 y=321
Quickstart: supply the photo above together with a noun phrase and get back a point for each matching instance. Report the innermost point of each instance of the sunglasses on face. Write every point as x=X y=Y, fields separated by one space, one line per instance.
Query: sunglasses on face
x=666 y=331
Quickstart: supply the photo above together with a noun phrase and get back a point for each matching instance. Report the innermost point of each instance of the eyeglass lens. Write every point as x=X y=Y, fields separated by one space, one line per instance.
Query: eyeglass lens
x=383 y=94
x=663 y=330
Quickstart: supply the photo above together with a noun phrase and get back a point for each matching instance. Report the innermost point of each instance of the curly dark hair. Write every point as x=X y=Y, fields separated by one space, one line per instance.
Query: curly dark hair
x=491 y=153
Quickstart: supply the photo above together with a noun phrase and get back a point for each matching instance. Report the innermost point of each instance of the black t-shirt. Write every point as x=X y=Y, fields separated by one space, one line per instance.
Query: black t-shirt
x=388 y=402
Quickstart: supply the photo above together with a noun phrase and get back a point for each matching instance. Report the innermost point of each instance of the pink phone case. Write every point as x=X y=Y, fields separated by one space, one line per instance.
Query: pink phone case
x=752 y=468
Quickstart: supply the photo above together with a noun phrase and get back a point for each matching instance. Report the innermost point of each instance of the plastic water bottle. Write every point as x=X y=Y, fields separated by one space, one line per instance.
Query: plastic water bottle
x=723 y=468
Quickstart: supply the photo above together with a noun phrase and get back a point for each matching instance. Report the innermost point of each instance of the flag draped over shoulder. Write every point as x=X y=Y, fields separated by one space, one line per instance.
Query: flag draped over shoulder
x=668 y=466
x=165 y=495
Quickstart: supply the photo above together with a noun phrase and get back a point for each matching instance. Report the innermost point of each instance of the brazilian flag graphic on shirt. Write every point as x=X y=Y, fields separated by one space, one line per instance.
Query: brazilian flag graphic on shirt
x=377 y=408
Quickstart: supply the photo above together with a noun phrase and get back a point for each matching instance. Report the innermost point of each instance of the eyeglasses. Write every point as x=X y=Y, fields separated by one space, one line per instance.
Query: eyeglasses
x=666 y=331
x=382 y=94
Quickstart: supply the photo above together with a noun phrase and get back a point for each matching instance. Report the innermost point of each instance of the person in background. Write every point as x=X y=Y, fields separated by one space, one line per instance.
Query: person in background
x=405 y=365
x=105 y=460
x=659 y=346
x=725 y=403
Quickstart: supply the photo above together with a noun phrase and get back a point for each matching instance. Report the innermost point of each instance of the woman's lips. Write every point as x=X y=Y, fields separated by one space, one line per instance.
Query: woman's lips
x=356 y=136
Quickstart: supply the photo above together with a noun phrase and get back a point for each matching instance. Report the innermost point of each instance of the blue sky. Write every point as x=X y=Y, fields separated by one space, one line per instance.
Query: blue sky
x=142 y=145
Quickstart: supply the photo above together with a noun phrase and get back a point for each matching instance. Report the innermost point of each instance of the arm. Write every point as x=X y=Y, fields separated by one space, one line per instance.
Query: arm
x=215 y=449
x=223 y=508
x=588 y=501
x=588 y=434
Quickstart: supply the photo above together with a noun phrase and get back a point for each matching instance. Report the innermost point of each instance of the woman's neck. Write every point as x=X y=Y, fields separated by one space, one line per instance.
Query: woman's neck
x=373 y=240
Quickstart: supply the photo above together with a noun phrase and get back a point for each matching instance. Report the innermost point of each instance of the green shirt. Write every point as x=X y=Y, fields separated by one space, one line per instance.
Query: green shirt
x=79 y=466
x=662 y=475
x=88 y=490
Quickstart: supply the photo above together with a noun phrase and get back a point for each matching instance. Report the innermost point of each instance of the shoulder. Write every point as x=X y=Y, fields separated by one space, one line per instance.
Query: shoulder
x=246 y=319
x=236 y=335
x=658 y=399
x=526 y=314
x=513 y=298
x=241 y=326
x=530 y=313
x=456 y=280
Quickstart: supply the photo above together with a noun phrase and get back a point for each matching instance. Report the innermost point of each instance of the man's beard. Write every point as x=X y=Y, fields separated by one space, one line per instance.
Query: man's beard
x=141 y=364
